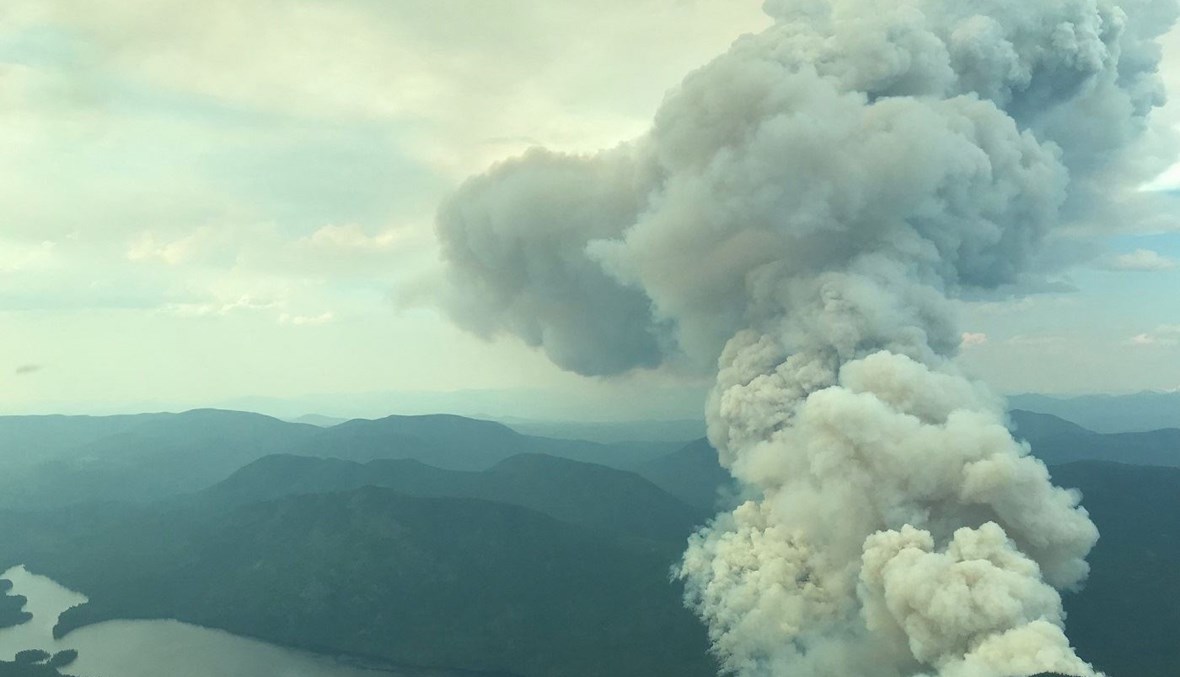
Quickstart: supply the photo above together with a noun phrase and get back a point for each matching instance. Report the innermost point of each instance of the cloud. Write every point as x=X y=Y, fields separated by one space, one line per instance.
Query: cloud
x=148 y=246
x=1141 y=261
x=469 y=84
x=973 y=339
x=243 y=303
x=23 y=257
x=1035 y=340
x=352 y=237
x=1169 y=181
x=760 y=226
x=1165 y=335
x=307 y=320
x=25 y=369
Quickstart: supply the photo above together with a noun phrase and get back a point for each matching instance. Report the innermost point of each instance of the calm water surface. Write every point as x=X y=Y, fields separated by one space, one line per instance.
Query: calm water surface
x=156 y=648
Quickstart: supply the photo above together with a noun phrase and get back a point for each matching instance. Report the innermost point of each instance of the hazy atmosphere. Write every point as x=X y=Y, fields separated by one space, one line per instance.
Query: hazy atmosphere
x=241 y=204
x=698 y=338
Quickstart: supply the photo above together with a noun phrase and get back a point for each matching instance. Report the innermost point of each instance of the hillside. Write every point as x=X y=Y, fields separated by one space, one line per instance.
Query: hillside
x=580 y=493
x=1135 y=412
x=1056 y=441
x=457 y=443
x=28 y=440
x=1126 y=618
x=691 y=474
x=147 y=458
x=672 y=431
x=435 y=582
x=533 y=565
x=143 y=458
x=1035 y=425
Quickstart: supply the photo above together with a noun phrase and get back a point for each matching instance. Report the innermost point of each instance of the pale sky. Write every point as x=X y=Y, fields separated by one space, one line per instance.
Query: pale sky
x=209 y=201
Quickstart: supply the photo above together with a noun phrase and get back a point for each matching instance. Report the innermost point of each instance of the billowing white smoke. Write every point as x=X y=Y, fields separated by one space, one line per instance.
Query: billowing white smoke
x=802 y=208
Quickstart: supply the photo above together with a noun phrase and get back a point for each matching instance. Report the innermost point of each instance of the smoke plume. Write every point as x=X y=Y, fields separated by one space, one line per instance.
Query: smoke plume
x=798 y=215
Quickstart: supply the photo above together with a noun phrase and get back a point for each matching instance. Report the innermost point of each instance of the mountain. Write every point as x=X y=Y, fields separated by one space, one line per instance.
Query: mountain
x=678 y=431
x=1158 y=447
x=444 y=582
x=579 y=493
x=564 y=572
x=691 y=474
x=1055 y=441
x=1035 y=425
x=141 y=459
x=56 y=461
x=457 y=443
x=1125 y=620
x=318 y=420
x=1137 y=412
x=29 y=440
x=601 y=404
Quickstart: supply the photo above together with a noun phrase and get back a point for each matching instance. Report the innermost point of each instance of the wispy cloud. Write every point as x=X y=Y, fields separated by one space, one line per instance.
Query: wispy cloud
x=26 y=369
x=351 y=237
x=1035 y=340
x=1164 y=335
x=17 y=257
x=218 y=308
x=306 y=320
x=148 y=246
x=1140 y=261
x=971 y=339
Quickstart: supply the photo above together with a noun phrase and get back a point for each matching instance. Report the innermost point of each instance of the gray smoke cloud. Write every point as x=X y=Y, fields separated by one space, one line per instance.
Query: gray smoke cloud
x=797 y=217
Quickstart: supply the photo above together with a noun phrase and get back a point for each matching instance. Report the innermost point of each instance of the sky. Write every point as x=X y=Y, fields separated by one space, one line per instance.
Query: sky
x=233 y=201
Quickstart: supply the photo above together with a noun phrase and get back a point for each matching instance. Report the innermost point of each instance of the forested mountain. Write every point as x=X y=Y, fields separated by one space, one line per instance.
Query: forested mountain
x=449 y=582
x=580 y=493
x=67 y=460
x=1134 y=412
x=1057 y=441
x=27 y=440
x=458 y=443
x=145 y=458
x=691 y=474
x=344 y=540
x=669 y=431
x=1126 y=620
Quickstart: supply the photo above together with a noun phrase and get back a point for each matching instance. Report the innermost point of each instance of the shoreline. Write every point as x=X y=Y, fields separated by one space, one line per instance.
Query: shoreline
x=378 y=665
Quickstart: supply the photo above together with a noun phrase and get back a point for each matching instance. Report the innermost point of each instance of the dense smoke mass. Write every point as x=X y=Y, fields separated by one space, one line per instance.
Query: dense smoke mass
x=798 y=215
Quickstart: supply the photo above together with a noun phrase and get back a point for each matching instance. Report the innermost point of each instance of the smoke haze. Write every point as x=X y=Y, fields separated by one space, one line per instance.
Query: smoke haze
x=797 y=218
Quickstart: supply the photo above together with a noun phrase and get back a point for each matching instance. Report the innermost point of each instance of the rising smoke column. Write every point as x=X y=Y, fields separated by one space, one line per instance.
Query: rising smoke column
x=799 y=214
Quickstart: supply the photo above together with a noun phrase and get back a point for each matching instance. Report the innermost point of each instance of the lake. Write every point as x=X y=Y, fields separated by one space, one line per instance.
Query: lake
x=157 y=647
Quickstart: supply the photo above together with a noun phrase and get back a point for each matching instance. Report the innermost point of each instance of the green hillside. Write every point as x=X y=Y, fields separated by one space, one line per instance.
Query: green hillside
x=579 y=493
x=453 y=583
x=59 y=460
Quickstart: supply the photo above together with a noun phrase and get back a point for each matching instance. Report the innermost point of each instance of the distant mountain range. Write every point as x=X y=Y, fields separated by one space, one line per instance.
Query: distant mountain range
x=680 y=430
x=1057 y=441
x=52 y=461
x=1136 y=412
x=56 y=460
x=459 y=543
x=1125 y=620
x=586 y=494
x=288 y=550
x=133 y=458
